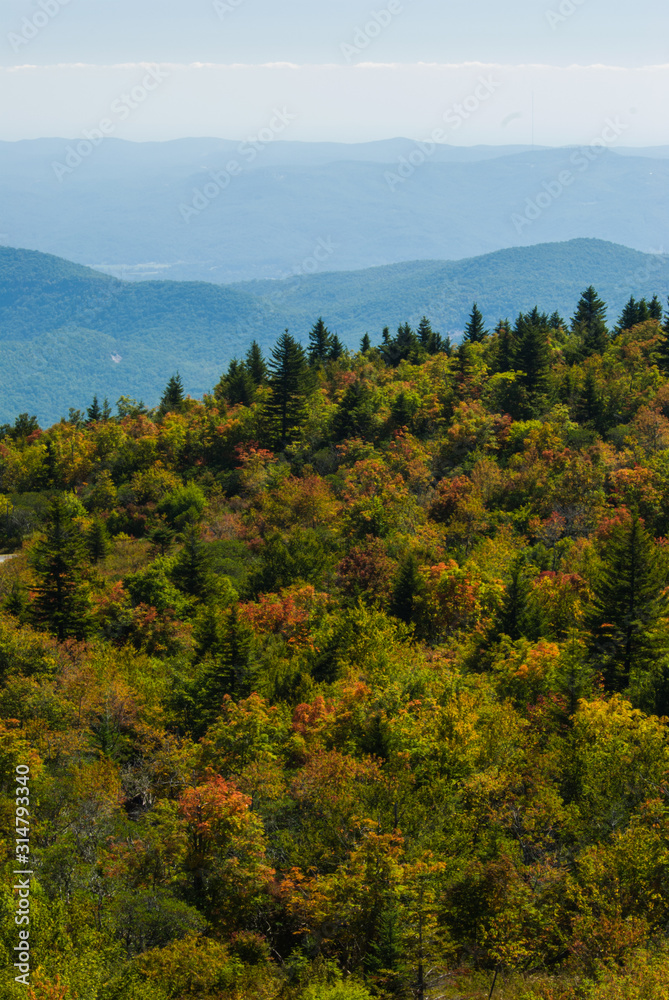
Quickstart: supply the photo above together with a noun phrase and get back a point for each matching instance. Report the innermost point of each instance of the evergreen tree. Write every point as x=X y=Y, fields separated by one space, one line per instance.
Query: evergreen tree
x=173 y=397
x=513 y=615
x=320 y=343
x=237 y=385
x=665 y=325
x=106 y=409
x=655 y=309
x=430 y=340
x=255 y=364
x=629 y=603
x=336 y=348
x=633 y=314
x=191 y=570
x=408 y=586
x=556 y=322
x=226 y=644
x=505 y=355
x=532 y=360
x=94 y=411
x=289 y=384
x=589 y=323
x=365 y=344
x=475 y=331
x=98 y=543
x=61 y=600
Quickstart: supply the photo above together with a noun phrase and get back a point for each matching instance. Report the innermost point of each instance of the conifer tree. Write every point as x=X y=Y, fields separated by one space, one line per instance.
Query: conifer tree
x=227 y=645
x=255 y=364
x=629 y=604
x=336 y=348
x=365 y=344
x=289 y=383
x=513 y=615
x=655 y=309
x=61 y=600
x=633 y=314
x=173 y=397
x=237 y=385
x=475 y=331
x=94 y=412
x=407 y=588
x=320 y=343
x=106 y=409
x=191 y=570
x=506 y=347
x=97 y=541
x=532 y=360
x=589 y=323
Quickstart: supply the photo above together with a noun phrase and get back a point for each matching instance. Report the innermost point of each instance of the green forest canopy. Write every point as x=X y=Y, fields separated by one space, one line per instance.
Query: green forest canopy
x=351 y=679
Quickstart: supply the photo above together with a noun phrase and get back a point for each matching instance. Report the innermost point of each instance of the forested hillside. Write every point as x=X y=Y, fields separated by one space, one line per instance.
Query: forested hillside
x=350 y=680
x=68 y=332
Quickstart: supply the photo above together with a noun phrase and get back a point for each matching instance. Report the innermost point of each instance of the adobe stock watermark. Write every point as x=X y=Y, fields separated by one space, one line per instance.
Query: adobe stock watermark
x=223 y=7
x=454 y=116
x=321 y=253
x=119 y=111
x=365 y=34
x=248 y=152
x=562 y=13
x=582 y=159
x=31 y=27
x=23 y=863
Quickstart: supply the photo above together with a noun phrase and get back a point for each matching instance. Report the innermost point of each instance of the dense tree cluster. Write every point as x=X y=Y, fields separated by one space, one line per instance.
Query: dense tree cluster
x=349 y=681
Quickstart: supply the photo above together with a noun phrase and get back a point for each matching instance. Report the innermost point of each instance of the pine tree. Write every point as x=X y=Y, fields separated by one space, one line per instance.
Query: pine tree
x=408 y=586
x=61 y=600
x=655 y=309
x=173 y=397
x=237 y=385
x=106 y=409
x=320 y=343
x=505 y=347
x=512 y=619
x=633 y=314
x=97 y=541
x=336 y=348
x=94 y=411
x=255 y=364
x=289 y=383
x=532 y=360
x=191 y=570
x=589 y=323
x=226 y=644
x=629 y=603
x=365 y=344
x=475 y=331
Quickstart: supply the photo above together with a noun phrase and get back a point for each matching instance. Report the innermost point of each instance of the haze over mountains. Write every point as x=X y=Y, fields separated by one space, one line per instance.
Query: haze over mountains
x=68 y=331
x=179 y=210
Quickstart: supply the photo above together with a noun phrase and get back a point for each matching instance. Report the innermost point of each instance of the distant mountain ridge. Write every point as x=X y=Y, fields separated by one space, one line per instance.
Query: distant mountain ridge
x=126 y=208
x=68 y=331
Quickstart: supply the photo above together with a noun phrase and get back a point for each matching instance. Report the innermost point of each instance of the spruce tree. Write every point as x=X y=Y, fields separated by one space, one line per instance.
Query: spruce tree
x=336 y=348
x=191 y=570
x=629 y=604
x=505 y=354
x=633 y=314
x=97 y=541
x=173 y=397
x=94 y=412
x=106 y=409
x=589 y=323
x=475 y=331
x=237 y=385
x=289 y=383
x=408 y=586
x=320 y=343
x=60 y=601
x=532 y=360
x=513 y=616
x=365 y=344
x=255 y=364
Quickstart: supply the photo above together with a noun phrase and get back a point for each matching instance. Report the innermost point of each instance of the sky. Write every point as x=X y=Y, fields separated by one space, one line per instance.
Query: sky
x=551 y=71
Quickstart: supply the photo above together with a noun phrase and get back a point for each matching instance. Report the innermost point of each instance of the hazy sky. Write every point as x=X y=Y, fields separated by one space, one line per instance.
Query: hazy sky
x=345 y=70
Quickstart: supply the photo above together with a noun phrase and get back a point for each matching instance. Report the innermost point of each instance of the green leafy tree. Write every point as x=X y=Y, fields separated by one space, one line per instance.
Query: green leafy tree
x=589 y=323
x=60 y=601
x=285 y=410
